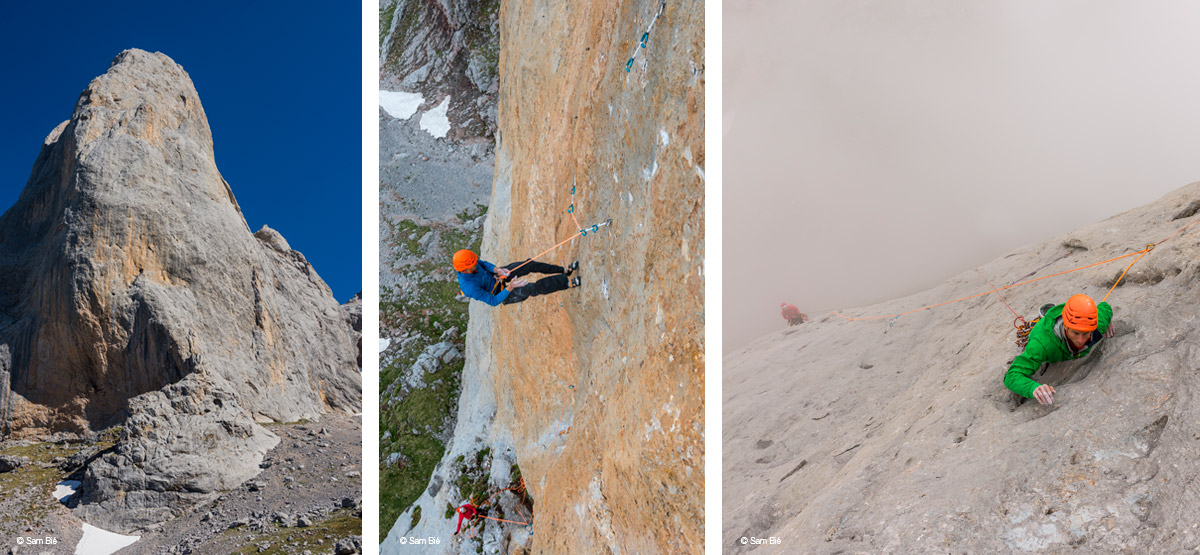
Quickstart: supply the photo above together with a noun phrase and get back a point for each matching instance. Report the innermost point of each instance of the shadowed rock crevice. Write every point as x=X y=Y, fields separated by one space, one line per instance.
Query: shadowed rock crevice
x=1190 y=210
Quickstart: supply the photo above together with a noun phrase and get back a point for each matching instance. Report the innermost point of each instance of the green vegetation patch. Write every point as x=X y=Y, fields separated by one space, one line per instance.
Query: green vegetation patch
x=454 y=239
x=410 y=423
x=385 y=21
x=31 y=486
x=406 y=236
x=318 y=538
x=472 y=481
x=429 y=309
x=402 y=35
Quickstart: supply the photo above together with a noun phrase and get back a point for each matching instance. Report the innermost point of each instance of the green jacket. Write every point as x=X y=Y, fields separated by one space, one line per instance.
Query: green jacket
x=1048 y=343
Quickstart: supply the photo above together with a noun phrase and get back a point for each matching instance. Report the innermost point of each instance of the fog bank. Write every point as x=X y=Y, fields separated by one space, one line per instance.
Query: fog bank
x=873 y=149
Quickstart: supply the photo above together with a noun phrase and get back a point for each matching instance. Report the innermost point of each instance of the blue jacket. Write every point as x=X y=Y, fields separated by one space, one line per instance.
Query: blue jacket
x=479 y=285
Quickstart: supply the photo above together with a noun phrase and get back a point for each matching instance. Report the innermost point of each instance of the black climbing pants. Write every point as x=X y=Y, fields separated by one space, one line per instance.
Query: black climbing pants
x=556 y=282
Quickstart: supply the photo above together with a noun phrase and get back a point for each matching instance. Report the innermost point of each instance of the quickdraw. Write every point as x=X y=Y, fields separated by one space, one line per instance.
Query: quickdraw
x=642 y=43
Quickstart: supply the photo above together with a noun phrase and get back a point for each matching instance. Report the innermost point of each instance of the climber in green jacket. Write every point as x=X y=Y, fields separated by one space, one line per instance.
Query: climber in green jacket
x=1066 y=332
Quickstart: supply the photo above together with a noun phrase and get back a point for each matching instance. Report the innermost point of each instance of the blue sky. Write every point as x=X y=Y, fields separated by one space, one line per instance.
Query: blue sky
x=280 y=83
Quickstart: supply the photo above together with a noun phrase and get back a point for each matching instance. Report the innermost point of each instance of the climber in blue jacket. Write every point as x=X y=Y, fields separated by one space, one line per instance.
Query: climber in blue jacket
x=477 y=279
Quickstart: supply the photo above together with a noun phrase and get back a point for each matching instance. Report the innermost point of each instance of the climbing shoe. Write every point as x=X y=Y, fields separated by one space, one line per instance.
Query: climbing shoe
x=575 y=281
x=574 y=266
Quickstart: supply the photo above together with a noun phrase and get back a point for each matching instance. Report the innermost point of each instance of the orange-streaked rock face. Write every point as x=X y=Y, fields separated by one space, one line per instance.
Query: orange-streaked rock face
x=133 y=292
x=619 y=360
x=128 y=265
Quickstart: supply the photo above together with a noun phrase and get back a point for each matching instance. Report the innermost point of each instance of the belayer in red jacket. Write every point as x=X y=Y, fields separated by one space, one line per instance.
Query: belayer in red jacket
x=792 y=314
x=468 y=512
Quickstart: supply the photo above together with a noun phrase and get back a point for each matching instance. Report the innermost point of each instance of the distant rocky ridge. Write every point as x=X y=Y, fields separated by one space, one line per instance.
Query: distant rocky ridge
x=133 y=292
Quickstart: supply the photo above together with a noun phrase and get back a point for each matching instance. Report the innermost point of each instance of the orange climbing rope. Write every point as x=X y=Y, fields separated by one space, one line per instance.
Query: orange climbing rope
x=988 y=292
x=582 y=232
x=1001 y=297
x=543 y=253
x=996 y=290
x=1148 y=248
x=502 y=520
x=519 y=488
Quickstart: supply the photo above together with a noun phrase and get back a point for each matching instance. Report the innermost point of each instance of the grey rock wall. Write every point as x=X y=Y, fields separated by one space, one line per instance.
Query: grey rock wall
x=473 y=432
x=129 y=280
x=180 y=446
x=898 y=435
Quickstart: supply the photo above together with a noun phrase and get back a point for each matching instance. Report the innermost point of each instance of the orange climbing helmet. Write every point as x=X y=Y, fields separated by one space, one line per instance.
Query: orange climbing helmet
x=465 y=260
x=1080 y=313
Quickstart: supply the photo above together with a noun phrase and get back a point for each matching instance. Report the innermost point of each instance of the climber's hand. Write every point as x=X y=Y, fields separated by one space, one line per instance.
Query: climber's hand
x=1044 y=394
x=1112 y=329
x=520 y=282
x=503 y=272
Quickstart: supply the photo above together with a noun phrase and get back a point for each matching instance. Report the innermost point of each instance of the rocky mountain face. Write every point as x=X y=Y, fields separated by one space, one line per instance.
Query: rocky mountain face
x=444 y=47
x=898 y=435
x=132 y=292
x=434 y=189
x=592 y=397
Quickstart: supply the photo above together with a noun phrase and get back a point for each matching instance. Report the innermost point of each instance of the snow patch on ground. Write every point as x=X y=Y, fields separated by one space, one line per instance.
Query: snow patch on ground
x=435 y=120
x=95 y=541
x=102 y=542
x=65 y=489
x=400 y=104
x=383 y=343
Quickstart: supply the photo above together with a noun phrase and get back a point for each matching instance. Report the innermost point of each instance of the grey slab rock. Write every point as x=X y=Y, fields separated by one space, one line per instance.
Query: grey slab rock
x=130 y=281
x=180 y=446
x=9 y=463
x=352 y=313
x=898 y=435
x=473 y=432
x=80 y=459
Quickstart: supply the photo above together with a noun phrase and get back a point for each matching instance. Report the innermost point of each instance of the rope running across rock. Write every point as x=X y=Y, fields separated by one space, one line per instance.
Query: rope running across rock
x=996 y=290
